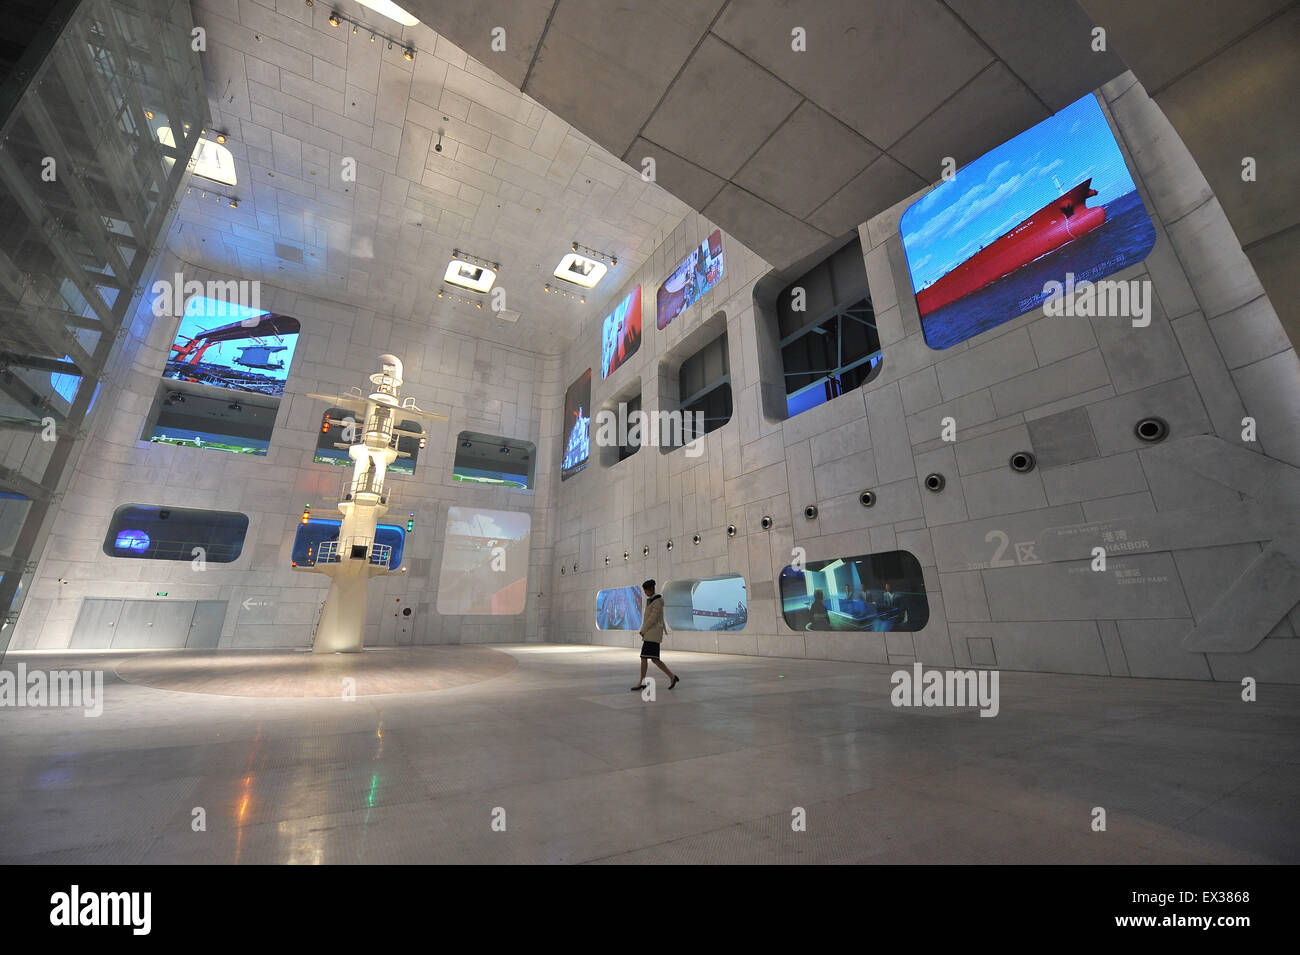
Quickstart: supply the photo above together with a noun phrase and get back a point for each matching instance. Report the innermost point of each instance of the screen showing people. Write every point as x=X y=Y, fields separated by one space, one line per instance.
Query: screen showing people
x=620 y=335
x=1028 y=221
x=690 y=281
x=484 y=562
x=619 y=608
x=869 y=592
x=577 y=427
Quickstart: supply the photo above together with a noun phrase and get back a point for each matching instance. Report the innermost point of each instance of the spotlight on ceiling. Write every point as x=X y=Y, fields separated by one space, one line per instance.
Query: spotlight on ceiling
x=391 y=10
x=467 y=275
x=467 y=444
x=148 y=114
x=234 y=203
x=409 y=53
x=334 y=19
x=580 y=270
x=221 y=138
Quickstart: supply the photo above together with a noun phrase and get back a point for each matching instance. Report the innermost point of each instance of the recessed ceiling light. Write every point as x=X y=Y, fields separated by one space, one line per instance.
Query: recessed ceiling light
x=476 y=278
x=387 y=8
x=580 y=270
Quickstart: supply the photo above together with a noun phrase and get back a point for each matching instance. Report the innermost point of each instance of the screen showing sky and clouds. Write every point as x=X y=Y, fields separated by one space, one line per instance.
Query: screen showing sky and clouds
x=233 y=347
x=484 y=562
x=982 y=246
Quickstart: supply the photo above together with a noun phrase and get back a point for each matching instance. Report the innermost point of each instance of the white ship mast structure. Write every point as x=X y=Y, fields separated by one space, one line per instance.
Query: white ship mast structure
x=356 y=557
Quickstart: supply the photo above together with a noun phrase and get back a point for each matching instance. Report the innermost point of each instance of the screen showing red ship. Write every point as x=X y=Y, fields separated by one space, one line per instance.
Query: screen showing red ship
x=1057 y=200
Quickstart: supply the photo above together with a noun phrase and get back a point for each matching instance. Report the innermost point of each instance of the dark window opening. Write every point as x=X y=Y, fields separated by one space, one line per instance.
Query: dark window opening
x=150 y=532
x=635 y=440
x=704 y=384
x=826 y=360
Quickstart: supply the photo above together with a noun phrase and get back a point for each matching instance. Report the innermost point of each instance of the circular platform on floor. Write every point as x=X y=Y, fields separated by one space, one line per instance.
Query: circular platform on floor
x=299 y=673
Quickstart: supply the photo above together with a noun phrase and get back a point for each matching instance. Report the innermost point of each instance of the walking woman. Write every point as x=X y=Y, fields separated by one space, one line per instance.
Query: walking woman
x=652 y=635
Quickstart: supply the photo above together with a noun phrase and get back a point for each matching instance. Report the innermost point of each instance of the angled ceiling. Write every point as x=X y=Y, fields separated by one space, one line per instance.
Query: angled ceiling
x=788 y=150
x=513 y=183
x=1226 y=75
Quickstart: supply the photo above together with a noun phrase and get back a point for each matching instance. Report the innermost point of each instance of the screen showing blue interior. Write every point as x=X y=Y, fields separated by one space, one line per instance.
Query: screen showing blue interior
x=319 y=529
x=870 y=592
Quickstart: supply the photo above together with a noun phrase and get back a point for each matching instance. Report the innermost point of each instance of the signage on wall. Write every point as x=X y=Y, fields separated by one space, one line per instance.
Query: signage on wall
x=577 y=426
x=690 y=281
x=620 y=336
x=1050 y=209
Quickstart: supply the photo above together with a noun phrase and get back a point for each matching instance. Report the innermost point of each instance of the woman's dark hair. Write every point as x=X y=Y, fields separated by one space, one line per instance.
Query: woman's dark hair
x=648 y=585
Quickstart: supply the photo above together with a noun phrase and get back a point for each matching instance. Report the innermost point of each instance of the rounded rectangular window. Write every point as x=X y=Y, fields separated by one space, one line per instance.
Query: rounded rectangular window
x=707 y=603
x=870 y=592
x=491 y=459
x=150 y=532
x=620 y=608
x=484 y=562
x=318 y=530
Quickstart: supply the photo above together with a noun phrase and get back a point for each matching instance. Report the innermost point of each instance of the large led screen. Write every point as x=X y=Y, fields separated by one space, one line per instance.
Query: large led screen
x=987 y=245
x=869 y=592
x=222 y=345
x=620 y=336
x=577 y=427
x=224 y=378
x=484 y=562
x=713 y=603
x=619 y=608
x=699 y=273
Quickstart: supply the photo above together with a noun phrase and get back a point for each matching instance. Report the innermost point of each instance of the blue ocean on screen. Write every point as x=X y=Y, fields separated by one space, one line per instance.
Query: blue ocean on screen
x=1125 y=239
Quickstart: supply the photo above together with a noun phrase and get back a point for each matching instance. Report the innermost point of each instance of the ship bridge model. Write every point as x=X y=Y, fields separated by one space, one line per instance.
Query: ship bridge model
x=356 y=557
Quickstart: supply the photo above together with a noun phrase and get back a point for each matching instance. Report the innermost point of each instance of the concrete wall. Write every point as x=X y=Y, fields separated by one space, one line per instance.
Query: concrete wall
x=482 y=386
x=1067 y=389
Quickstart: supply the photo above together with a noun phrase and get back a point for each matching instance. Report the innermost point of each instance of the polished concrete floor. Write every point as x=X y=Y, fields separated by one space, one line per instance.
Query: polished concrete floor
x=581 y=770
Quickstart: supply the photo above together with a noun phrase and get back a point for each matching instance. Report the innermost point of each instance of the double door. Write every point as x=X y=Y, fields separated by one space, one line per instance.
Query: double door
x=109 y=623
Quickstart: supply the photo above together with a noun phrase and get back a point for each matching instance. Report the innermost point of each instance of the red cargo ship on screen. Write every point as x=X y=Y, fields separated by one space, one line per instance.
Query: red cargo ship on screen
x=1060 y=221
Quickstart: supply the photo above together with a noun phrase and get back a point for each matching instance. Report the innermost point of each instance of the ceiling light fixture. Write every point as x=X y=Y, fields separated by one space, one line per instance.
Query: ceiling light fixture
x=470 y=272
x=580 y=270
x=409 y=53
x=334 y=19
x=386 y=8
